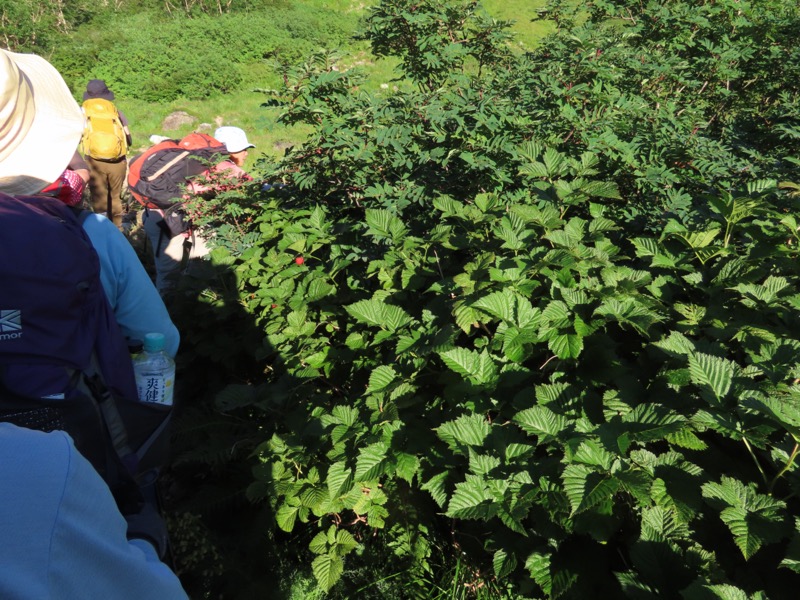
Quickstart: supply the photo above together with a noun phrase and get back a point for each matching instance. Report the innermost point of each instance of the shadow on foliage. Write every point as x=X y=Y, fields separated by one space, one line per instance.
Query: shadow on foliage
x=221 y=540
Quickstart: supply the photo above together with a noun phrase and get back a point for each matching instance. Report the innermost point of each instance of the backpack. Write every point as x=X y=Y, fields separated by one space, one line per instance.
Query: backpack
x=157 y=176
x=64 y=363
x=104 y=136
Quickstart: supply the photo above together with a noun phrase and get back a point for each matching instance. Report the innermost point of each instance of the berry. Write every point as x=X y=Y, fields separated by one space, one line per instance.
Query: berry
x=299 y=260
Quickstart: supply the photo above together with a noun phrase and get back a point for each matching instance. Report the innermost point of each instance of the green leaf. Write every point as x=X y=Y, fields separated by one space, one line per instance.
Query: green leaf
x=286 y=516
x=541 y=421
x=319 y=545
x=712 y=373
x=792 y=559
x=344 y=542
x=479 y=368
x=435 y=486
x=500 y=305
x=369 y=464
x=327 y=569
x=339 y=480
x=470 y=429
x=407 y=466
x=754 y=519
x=586 y=488
x=378 y=313
x=470 y=500
x=503 y=563
x=566 y=345
x=384 y=224
x=538 y=565
x=676 y=344
x=381 y=379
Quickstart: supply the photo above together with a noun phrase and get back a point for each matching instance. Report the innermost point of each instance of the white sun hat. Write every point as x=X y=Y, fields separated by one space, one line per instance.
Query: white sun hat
x=41 y=124
x=235 y=139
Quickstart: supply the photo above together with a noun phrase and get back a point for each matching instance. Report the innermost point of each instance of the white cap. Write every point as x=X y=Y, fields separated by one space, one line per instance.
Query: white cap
x=235 y=139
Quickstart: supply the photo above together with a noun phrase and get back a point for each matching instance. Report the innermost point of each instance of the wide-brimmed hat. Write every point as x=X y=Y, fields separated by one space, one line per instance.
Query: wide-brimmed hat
x=97 y=88
x=40 y=123
x=235 y=139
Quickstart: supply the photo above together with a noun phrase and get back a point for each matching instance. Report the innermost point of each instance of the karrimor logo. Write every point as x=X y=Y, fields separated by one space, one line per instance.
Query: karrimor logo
x=10 y=324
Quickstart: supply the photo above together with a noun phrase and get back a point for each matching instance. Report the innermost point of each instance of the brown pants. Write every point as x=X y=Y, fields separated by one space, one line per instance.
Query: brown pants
x=105 y=185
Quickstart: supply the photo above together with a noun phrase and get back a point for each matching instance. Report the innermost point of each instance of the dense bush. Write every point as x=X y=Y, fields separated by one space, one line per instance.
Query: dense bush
x=538 y=312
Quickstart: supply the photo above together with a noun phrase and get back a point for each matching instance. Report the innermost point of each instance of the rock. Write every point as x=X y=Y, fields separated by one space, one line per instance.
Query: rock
x=282 y=146
x=177 y=120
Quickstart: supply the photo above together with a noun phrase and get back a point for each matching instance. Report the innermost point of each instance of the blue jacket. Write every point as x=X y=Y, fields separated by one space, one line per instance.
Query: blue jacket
x=134 y=299
x=61 y=535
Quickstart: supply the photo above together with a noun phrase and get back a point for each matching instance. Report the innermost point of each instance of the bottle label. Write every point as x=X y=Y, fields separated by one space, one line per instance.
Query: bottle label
x=155 y=388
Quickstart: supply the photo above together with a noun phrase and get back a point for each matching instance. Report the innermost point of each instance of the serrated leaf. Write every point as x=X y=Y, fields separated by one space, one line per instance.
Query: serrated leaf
x=286 y=516
x=369 y=464
x=541 y=421
x=754 y=519
x=685 y=438
x=382 y=223
x=327 y=569
x=381 y=379
x=659 y=523
x=378 y=313
x=791 y=560
x=344 y=542
x=470 y=429
x=676 y=344
x=538 y=565
x=503 y=563
x=568 y=345
x=479 y=368
x=435 y=486
x=586 y=488
x=712 y=373
x=312 y=497
x=466 y=317
x=407 y=465
x=470 y=500
x=499 y=304
x=319 y=544
x=338 y=480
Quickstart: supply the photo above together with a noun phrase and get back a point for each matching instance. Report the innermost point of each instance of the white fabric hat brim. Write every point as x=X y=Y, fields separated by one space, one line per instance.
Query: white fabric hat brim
x=240 y=149
x=45 y=149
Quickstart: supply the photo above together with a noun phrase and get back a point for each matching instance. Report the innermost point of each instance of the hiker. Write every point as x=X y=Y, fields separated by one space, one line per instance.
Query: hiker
x=60 y=526
x=235 y=140
x=61 y=535
x=105 y=143
x=172 y=239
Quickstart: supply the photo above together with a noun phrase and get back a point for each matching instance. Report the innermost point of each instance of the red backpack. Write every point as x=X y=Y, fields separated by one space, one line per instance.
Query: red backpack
x=156 y=176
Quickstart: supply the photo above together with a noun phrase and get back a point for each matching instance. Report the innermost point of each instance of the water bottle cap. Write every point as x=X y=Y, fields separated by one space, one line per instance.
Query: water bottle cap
x=154 y=342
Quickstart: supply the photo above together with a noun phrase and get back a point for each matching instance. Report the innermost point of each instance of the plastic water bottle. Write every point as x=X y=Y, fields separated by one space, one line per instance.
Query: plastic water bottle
x=155 y=371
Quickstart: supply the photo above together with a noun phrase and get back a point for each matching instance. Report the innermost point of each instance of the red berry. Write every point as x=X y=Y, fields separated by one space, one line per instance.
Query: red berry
x=299 y=260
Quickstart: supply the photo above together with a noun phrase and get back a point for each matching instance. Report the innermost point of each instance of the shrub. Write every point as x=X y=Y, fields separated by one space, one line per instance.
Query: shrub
x=546 y=309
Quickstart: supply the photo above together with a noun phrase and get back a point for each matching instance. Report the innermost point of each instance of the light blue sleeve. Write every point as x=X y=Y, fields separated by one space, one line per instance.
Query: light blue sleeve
x=137 y=305
x=60 y=531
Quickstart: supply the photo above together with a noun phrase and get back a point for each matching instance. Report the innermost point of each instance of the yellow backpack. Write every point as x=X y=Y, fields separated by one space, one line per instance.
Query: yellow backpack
x=104 y=137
